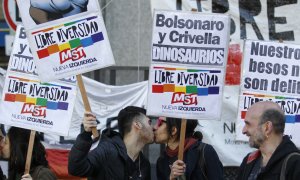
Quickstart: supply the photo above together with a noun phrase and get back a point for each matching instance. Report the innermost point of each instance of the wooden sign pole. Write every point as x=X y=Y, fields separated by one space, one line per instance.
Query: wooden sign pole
x=85 y=100
x=181 y=140
x=29 y=152
x=183 y=129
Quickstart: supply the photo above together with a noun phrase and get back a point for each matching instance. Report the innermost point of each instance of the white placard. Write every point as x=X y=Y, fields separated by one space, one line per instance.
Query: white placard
x=29 y=103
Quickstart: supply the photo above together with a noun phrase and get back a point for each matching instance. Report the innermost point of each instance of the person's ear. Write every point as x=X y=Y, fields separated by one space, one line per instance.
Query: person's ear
x=268 y=128
x=174 y=131
x=137 y=125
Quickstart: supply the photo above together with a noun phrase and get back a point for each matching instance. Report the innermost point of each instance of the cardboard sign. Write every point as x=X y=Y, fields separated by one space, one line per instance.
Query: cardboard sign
x=290 y=106
x=29 y=103
x=271 y=68
x=190 y=38
x=189 y=53
x=190 y=92
x=271 y=73
x=66 y=44
x=257 y=20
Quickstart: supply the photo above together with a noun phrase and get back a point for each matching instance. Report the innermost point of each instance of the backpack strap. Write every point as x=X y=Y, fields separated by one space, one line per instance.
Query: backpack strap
x=201 y=161
x=284 y=164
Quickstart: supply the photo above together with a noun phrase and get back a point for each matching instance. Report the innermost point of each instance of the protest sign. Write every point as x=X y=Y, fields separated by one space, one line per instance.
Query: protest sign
x=271 y=73
x=109 y=100
x=29 y=103
x=189 y=92
x=259 y=20
x=189 y=52
x=190 y=38
x=290 y=106
x=66 y=44
x=271 y=68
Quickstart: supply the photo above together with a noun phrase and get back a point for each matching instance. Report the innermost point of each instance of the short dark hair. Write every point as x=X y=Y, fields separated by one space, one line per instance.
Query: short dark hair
x=191 y=124
x=276 y=117
x=19 y=140
x=126 y=117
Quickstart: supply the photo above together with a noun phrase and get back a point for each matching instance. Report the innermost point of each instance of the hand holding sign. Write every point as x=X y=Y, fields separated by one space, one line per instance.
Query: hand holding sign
x=89 y=121
x=86 y=102
x=26 y=177
x=177 y=169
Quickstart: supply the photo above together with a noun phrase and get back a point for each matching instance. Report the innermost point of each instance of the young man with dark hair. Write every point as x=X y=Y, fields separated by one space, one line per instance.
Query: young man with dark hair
x=118 y=155
x=264 y=125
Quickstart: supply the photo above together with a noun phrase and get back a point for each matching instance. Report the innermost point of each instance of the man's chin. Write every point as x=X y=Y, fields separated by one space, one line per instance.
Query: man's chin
x=253 y=145
x=157 y=142
x=151 y=141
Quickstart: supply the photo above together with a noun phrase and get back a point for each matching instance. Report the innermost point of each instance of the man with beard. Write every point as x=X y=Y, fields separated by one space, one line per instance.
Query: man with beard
x=264 y=125
x=118 y=155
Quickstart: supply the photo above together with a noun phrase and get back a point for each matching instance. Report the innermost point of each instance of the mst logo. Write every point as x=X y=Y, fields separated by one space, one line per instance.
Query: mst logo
x=71 y=54
x=186 y=99
x=34 y=110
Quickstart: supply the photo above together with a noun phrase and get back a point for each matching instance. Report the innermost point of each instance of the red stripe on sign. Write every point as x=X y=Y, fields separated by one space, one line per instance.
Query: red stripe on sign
x=10 y=97
x=157 y=67
x=243 y=114
x=43 y=53
x=157 y=88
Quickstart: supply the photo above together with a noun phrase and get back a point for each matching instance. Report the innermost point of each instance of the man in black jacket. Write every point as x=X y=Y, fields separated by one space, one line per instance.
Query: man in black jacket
x=264 y=125
x=118 y=155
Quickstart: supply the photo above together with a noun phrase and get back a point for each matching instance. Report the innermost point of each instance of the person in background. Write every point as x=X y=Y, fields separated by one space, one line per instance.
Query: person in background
x=264 y=125
x=2 y=176
x=200 y=160
x=118 y=155
x=15 y=150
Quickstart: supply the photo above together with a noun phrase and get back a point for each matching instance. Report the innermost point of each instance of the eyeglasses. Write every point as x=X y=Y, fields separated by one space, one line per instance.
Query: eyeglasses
x=159 y=122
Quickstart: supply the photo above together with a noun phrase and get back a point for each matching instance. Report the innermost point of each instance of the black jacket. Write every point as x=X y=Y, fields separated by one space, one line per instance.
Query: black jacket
x=109 y=160
x=273 y=167
x=214 y=167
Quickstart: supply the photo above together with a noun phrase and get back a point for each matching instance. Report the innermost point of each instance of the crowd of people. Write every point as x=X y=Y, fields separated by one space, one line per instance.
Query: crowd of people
x=119 y=153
